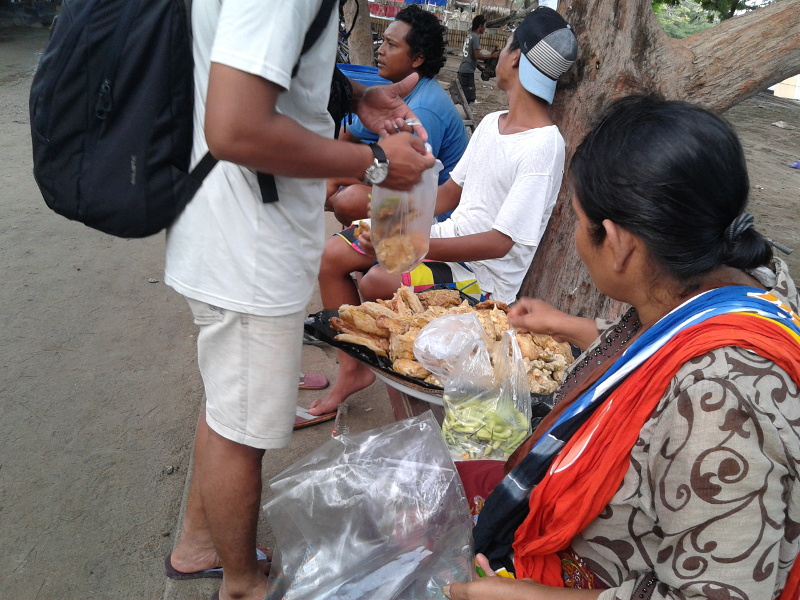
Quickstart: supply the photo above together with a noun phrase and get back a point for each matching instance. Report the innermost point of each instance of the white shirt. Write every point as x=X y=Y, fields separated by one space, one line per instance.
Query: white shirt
x=228 y=248
x=510 y=183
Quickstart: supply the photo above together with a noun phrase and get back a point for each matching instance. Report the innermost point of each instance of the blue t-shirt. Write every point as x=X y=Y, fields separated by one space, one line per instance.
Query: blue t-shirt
x=446 y=132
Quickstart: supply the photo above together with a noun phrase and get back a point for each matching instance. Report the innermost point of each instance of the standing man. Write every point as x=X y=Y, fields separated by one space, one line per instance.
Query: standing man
x=247 y=268
x=471 y=53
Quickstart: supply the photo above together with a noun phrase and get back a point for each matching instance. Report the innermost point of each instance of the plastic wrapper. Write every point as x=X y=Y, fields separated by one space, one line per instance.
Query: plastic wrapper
x=401 y=222
x=441 y=343
x=487 y=409
x=381 y=514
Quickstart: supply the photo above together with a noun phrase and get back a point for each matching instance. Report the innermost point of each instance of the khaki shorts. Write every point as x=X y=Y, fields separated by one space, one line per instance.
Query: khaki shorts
x=250 y=367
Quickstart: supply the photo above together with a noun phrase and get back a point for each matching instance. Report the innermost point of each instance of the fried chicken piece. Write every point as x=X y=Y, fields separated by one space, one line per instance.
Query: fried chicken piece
x=431 y=379
x=402 y=346
x=410 y=368
x=540 y=382
x=528 y=348
x=376 y=309
x=395 y=326
x=443 y=298
x=361 y=320
x=431 y=313
x=362 y=340
x=411 y=300
x=485 y=318
x=490 y=304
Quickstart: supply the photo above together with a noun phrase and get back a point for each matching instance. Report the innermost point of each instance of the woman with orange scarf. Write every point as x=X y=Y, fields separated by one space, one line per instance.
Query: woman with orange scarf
x=670 y=466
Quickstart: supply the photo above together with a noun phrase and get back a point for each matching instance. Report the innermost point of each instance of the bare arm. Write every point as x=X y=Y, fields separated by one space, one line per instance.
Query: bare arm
x=448 y=197
x=478 y=246
x=242 y=126
x=539 y=316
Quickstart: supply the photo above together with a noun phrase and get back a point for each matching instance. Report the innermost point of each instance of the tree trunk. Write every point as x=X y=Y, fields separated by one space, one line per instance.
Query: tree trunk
x=622 y=50
x=360 y=41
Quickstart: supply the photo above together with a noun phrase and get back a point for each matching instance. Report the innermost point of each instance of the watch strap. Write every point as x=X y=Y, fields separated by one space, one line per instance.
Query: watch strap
x=379 y=154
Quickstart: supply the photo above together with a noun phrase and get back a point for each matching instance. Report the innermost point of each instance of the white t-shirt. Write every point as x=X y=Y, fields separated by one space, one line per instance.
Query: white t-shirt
x=228 y=248
x=510 y=183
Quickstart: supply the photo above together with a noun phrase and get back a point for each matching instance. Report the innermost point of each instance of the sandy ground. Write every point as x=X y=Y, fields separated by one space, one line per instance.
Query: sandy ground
x=99 y=388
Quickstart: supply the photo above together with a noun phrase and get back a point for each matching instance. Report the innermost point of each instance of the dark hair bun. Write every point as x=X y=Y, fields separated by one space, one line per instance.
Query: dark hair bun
x=673 y=174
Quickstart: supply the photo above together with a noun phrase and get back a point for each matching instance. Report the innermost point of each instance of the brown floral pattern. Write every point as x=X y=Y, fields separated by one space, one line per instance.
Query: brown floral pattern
x=711 y=500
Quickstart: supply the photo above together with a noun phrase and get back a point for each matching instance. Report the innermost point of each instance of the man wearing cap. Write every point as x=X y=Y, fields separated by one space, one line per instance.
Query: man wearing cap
x=501 y=192
x=471 y=53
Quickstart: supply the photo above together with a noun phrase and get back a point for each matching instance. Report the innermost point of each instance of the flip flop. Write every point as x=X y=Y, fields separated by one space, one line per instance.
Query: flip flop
x=313 y=381
x=304 y=419
x=215 y=573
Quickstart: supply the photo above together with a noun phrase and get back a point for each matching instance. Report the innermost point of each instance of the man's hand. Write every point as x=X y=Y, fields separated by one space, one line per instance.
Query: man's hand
x=407 y=160
x=381 y=106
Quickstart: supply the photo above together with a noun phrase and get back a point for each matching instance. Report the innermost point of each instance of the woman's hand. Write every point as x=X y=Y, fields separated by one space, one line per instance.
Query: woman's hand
x=493 y=587
x=538 y=316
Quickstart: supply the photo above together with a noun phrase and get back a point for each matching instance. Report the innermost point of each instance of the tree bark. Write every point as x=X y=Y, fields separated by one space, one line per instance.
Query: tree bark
x=360 y=40
x=623 y=50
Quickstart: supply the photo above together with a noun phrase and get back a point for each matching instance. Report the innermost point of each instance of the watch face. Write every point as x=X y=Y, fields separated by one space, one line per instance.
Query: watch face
x=377 y=173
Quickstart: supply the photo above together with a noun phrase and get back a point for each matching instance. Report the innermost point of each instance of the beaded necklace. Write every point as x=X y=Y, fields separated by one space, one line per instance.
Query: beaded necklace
x=613 y=342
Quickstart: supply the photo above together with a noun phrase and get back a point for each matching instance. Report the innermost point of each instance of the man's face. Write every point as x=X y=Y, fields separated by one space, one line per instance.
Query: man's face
x=505 y=65
x=394 y=56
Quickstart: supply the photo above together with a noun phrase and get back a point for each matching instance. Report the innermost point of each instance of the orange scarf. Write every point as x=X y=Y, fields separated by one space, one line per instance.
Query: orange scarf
x=574 y=492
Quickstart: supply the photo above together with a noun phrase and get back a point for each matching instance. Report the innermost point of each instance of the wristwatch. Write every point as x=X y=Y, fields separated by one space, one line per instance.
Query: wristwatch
x=377 y=172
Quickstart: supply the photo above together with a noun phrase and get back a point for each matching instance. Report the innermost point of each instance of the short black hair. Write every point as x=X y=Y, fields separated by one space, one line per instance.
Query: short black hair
x=673 y=174
x=478 y=21
x=426 y=37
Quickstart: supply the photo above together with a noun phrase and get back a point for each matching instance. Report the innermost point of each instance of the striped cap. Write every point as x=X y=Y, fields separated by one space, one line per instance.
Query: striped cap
x=549 y=45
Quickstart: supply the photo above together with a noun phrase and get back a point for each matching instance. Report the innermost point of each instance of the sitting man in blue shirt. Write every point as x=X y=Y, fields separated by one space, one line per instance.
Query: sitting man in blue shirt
x=413 y=43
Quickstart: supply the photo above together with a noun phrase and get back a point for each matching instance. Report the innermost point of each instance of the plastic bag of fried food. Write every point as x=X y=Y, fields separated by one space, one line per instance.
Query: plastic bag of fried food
x=390 y=328
x=401 y=222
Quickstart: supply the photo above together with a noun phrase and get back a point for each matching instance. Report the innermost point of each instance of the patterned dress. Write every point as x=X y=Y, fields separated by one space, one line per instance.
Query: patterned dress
x=710 y=504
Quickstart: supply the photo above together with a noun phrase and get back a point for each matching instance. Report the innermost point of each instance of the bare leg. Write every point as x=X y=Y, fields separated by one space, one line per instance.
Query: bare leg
x=336 y=288
x=195 y=549
x=230 y=487
x=353 y=377
x=377 y=283
x=339 y=259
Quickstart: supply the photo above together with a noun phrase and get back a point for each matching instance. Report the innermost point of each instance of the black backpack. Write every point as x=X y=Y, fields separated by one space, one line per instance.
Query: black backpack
x=111 y=112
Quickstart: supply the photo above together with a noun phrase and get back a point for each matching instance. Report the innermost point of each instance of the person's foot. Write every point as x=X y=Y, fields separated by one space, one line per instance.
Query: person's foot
x=188 y=563
x=343 y=388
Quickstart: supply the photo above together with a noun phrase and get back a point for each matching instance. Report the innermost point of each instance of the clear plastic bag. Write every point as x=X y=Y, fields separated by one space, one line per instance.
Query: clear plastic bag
x=487 y=409
x=401 y=222
x=441 y=343
x=381 y=514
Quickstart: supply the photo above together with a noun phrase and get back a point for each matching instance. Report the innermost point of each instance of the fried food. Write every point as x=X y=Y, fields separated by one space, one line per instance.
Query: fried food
x=410 y=368
x=398 y=253
x=443 y=298
x=362 y=227
x=390 y=327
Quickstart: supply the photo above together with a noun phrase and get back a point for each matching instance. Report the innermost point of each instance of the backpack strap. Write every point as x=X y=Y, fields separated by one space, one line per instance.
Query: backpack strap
x=266 y=181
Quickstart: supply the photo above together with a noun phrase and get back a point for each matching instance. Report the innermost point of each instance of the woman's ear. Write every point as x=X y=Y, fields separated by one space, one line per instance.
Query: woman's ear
x=417 y=62
x=622 y=244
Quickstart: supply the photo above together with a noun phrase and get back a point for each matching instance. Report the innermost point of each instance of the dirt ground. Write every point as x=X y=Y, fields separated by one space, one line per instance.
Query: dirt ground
x=99 y=388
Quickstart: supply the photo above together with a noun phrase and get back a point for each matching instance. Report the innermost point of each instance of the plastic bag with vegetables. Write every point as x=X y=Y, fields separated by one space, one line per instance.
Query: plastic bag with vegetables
x=487 y=409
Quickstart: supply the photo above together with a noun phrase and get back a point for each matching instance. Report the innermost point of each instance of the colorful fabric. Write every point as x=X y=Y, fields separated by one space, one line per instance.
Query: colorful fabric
x=584 y=476
x=457 y=276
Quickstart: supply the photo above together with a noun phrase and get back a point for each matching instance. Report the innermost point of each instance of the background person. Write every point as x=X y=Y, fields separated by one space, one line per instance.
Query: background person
x=471 y=53
x=683 y=483
x=413 y=43
x=246 y=267
x=501 y=195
